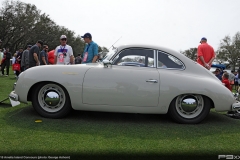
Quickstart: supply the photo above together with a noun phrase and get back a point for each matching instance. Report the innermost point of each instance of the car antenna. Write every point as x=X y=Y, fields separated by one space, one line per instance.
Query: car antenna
x=114 y=43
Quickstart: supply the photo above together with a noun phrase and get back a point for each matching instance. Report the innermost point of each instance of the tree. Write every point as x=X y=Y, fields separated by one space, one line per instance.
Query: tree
x=17 y=22
x=190 y=53
x=22 y=24
x=103 y=51
x=229 y=50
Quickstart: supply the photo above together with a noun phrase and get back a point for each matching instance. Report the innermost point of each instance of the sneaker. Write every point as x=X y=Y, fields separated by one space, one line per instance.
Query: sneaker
x=6 y=75
x=2 y=74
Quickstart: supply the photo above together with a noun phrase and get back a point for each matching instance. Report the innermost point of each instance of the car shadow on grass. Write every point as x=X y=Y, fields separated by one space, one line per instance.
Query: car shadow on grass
x=5 y=105
x=145 y=126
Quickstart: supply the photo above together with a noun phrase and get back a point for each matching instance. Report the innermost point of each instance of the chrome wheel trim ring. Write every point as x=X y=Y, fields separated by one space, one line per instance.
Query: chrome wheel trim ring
x=194 y=111
x=51 y=88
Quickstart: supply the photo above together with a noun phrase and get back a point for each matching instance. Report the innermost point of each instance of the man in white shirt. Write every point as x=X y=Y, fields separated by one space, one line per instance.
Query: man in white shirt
x=63 y=54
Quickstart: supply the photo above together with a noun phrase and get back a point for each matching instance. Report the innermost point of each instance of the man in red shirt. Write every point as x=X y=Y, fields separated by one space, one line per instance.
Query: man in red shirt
x=205 y=54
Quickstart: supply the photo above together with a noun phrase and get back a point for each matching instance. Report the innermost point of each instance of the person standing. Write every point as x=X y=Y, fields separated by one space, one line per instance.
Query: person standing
x=33 y=54
x=13 y=62
x=1 y=57
x=231 y=79
x=90 y=54
x=19 y=60
x=236 y=80
x=63 y=54
x=44 y=55
x=205 y=54
x=6 y=61
x=25 y=58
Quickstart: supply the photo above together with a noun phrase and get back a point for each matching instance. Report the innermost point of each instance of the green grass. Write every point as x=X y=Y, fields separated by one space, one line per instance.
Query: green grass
x=84 y=135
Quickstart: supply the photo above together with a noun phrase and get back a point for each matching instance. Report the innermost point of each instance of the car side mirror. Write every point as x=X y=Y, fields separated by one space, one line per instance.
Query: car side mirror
x=106 y=63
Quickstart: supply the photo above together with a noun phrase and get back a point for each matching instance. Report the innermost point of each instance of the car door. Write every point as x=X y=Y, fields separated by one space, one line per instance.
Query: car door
x=124 y=85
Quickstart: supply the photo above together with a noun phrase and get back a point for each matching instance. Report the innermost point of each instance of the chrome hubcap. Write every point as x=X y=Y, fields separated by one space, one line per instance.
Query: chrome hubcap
x=51 y=98
x=189 y=106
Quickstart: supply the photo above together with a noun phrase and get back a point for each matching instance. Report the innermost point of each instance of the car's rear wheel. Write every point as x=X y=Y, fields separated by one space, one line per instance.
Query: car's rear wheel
x=189 y=108
x=51 y=100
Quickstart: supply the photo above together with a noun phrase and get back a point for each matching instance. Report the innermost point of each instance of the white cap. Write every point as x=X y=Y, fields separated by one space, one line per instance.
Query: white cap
x=63 y=36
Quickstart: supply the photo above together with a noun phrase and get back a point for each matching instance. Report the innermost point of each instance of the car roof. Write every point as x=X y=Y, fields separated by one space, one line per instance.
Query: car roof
x=164 y=49
x=120 y=47
x=182 y=57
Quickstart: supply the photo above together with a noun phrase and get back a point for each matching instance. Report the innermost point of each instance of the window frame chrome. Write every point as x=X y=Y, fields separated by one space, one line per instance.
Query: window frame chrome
x=154 y=54
x=157 y=51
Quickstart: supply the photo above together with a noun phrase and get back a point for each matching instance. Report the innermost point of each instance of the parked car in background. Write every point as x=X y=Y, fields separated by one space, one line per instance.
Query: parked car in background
x=215 y=66
x=167 y=82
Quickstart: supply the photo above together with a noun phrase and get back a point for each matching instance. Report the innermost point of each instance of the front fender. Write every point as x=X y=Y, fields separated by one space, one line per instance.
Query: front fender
x=69 y=76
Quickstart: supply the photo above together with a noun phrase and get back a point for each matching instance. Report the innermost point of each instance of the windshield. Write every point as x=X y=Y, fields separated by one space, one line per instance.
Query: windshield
x=110 y=53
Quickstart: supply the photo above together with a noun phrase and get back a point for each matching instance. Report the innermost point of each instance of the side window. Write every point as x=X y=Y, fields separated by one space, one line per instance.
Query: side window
x=168 y=61
x=135 y=57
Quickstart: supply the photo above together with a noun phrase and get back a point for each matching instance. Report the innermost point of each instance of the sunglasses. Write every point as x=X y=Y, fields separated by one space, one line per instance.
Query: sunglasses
x=46 y=48
x=64 y=39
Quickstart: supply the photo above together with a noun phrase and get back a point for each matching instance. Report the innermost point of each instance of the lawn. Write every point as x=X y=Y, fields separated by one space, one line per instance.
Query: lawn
x=95 y=135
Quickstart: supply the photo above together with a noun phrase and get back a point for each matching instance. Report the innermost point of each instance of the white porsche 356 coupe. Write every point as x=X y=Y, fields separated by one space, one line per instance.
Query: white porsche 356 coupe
x=130 y=79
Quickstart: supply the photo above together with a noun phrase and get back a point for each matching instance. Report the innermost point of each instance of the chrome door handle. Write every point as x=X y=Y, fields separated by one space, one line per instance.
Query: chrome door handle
x=152 y=81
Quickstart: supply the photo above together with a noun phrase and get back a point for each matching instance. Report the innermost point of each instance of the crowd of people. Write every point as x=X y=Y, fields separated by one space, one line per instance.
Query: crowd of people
x=231 y=80
x=32 y=56
x=205 y=57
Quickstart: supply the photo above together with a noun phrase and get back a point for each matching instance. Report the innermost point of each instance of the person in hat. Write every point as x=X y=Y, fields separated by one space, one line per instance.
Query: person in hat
x=44 y=55
x=90 y=54
x=34 y=54
x=218 y=74
x=205 y=54
x=25 y=58
x=63 y=54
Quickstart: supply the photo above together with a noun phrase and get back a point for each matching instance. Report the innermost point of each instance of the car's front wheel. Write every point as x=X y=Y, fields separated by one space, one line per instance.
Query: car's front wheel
x=51 y=100
x=189 y=108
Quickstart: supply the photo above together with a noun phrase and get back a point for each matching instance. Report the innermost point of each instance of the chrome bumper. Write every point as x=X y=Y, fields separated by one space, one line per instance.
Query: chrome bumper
x=236 y=106
x=13 y=97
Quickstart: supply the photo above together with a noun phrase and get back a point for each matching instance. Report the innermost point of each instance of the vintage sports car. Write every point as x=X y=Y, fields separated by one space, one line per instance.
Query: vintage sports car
x=167 y=82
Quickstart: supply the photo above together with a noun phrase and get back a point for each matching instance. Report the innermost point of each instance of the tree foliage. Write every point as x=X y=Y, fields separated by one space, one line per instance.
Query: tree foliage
x=191 y=53
x=229 y=50
x=22 y=24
